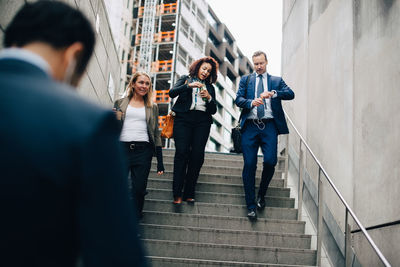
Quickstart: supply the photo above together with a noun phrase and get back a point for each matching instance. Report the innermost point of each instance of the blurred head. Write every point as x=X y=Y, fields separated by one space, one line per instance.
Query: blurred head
x=205 y=68
x=140 y=85
x=62 y=35
x=260 y=62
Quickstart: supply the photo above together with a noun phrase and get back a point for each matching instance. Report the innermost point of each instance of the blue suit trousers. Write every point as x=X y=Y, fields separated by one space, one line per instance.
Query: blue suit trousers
x=256 y=135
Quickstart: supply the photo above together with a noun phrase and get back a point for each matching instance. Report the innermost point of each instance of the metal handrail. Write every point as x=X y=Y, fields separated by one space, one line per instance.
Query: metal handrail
x=320 y=201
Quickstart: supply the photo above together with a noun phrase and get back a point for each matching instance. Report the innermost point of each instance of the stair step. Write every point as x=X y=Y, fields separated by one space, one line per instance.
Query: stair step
x=223 y=236
x=215 y=161
x=218 y=209
x=217 y=155
x=229 y=252
x=219 y=188
x=184 y=262
x=225 y=198
x=223 y=222
x=215 y=169
x=276 y=181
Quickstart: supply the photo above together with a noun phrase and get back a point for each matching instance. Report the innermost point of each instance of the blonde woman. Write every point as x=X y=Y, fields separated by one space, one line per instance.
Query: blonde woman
x=140 y=135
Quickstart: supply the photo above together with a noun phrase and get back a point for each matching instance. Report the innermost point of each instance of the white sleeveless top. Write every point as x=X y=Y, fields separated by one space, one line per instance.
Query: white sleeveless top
x=135 y=126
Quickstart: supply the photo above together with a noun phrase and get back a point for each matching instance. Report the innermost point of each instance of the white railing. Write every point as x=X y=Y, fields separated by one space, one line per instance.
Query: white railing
x=349 y=211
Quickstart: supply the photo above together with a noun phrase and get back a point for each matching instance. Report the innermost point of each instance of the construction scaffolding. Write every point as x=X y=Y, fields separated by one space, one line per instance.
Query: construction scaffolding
x=147 y=36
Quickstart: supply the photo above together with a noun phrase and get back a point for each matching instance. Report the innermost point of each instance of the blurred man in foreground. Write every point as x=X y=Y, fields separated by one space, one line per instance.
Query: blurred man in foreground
x=63 y=186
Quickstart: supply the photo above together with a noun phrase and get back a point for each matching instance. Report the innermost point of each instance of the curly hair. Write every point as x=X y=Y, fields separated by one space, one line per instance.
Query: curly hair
x=148 y=98
x=195 y=66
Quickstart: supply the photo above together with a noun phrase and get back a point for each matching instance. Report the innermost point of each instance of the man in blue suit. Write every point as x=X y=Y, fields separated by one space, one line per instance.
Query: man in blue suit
x=64 y=193
x=262 y=120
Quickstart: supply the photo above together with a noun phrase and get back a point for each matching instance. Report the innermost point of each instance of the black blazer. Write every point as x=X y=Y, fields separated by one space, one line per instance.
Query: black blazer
x=63 y=184
x=184 y=92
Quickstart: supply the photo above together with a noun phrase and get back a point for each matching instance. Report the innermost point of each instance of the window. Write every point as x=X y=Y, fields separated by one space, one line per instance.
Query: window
x=187 y=3
x=193 y=8
x=199 y=44
x=182 y=55
x=219 y=108
x=192 y=35
x=185 y=27
x=213 y=23
x=220 y=88
x=201 y=19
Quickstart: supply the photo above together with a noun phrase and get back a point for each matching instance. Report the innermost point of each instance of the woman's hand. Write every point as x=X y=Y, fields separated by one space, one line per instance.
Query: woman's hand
x=195 y=85
x=206 y=94
x=118 y=114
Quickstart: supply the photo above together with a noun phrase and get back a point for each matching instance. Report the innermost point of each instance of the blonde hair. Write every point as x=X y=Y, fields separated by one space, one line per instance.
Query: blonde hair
x=148 y=98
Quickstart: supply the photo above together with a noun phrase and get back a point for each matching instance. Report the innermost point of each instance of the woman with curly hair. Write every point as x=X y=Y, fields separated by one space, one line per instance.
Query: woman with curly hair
x=194 y=109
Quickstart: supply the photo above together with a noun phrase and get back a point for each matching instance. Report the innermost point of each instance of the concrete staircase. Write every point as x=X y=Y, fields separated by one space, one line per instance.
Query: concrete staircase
x=215 y=230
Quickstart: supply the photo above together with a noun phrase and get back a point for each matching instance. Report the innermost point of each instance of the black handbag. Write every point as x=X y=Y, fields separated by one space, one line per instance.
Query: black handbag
x=236 y=133
x=236 y=136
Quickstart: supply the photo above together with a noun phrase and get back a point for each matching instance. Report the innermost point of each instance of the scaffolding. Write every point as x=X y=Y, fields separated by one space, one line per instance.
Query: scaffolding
x=146 y=43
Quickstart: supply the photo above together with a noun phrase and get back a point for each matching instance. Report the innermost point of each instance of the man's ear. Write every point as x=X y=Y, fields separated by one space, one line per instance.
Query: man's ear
x=72 y=51
x=70 y=58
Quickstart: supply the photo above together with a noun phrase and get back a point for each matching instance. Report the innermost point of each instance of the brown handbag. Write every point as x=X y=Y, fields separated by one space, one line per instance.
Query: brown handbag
x=168 y=129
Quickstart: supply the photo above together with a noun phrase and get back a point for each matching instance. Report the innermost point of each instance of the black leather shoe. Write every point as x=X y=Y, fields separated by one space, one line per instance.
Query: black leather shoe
x=252 y=215
x=260 y=203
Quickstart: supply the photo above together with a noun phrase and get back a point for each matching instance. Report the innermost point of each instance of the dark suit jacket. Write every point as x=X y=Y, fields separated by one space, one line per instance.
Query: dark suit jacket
x=63 y=185
x=246 y=95
x=184 y=101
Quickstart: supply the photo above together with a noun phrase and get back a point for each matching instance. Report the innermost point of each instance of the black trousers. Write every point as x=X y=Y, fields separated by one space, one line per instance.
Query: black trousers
x=191 y=131
x=139 y=155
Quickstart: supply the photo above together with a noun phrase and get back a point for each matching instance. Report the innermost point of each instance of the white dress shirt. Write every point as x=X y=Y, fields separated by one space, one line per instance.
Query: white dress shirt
x=267 y=102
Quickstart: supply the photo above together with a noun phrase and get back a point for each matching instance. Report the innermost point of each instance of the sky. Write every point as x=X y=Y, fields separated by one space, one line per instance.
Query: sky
x=255 y=25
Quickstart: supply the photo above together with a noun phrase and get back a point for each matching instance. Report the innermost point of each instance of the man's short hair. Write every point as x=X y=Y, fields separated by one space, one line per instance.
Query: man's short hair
x=54 y=23
x=259 y=53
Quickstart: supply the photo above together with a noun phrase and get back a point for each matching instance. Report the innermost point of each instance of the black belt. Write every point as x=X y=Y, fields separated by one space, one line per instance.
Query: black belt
x=136 y=145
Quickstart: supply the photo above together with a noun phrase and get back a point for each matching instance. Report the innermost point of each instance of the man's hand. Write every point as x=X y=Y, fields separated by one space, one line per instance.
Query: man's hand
x=257 y=102
x=267 y=94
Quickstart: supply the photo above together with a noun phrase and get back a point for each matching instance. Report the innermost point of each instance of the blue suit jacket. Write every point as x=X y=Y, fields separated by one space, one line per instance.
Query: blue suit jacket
x=246 y=95
x=63 y=181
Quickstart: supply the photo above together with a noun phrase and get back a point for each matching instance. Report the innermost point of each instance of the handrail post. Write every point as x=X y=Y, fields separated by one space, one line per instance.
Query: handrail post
x=286 y=161
x=300 y=184
x=347 y=243
x=320 y=221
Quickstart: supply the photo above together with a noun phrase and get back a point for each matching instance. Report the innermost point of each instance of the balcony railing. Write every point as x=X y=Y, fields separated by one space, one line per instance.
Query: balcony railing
x=159 y=37
x=161 y=66
x=167 y=8
x=161 y=96
x=161 y=9
x=162 y=37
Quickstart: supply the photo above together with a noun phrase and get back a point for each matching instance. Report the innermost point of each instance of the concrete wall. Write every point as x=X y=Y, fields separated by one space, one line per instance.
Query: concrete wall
x=104 y=64
x=341 y=58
